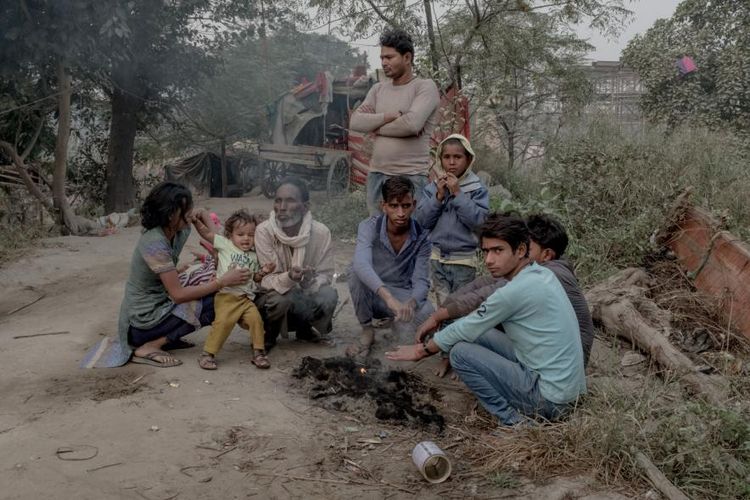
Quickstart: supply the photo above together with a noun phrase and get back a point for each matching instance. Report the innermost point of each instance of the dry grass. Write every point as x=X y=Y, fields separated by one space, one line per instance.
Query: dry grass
x=695 y=316
x=704 y=450
x=20 y=227
x=15 y=241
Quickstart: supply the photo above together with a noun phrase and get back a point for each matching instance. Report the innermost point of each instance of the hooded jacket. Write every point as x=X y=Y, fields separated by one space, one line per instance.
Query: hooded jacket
x=452 y=221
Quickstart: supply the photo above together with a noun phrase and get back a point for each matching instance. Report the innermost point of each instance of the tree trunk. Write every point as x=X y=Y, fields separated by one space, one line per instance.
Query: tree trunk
x=223 y=168
x=61 y=144
x=126 y=105
x=431 y=35
x=511 y=142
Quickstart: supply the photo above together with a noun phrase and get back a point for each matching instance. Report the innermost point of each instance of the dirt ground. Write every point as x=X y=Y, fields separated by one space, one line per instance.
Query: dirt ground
x=149 y=433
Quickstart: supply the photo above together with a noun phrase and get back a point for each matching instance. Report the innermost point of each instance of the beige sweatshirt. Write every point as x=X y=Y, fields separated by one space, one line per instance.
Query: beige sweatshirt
x=401 y=146
x=318 y=255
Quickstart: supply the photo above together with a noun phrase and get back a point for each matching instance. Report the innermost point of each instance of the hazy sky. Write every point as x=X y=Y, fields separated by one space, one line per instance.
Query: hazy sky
x=645 y=13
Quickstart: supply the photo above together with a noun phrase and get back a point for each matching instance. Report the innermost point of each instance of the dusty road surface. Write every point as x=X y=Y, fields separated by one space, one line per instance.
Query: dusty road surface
x=151 y=433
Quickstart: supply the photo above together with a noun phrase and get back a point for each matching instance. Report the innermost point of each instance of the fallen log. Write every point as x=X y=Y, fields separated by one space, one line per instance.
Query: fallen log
x=658 y=479
x=621 y=306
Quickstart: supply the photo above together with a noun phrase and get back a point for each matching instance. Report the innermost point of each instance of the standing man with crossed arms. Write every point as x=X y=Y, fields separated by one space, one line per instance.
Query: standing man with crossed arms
x=402 y=113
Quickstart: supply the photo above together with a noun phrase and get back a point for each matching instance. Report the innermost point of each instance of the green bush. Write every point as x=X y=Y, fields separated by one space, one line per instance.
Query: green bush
x=520 y=181
x=342 y=214
x=612 y=188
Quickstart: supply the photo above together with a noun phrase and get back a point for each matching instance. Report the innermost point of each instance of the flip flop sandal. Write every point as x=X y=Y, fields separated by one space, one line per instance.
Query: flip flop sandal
x=151 y=359
x=260 y=360
x=207 y=362
x=177 y=344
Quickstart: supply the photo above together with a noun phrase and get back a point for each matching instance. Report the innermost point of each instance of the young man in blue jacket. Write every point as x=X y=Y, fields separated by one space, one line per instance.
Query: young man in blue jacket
x=390 y=274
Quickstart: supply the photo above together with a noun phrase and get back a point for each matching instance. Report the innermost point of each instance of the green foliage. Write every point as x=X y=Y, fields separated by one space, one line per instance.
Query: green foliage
x=87 y=162
x=365 y=18
x=522 y=70
x=699 y=443
x=703 y=449
x=540 y=202
x=87 y=180
x=145 y=56
x=611 y=188
x=608 y=200
x=505 y=480
x=232 y=104
x=716 y=35
x=522 y=183
x=342 y=214
x=517 y=60
x=490 y=161
x=299 y=55
x=18 y=123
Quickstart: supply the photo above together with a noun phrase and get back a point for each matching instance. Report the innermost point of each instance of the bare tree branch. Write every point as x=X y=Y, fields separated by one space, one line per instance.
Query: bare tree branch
x=382 y=15
x=25 y=10
x=34 y=138
x=19 y=126
x=451 y=70
x=20 y=167
x=62 y=137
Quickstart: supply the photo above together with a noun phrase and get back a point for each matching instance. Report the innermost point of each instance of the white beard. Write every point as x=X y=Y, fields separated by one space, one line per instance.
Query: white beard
x=293 y=219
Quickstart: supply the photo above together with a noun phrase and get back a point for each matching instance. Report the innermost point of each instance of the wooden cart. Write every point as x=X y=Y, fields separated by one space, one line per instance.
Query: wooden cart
x=322 y=168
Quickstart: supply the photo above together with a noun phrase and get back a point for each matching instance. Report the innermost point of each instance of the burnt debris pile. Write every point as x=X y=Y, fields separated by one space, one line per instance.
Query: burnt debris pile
x=399 y=396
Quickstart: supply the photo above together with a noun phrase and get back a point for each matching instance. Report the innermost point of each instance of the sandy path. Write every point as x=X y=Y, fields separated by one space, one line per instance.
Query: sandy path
x=264 y=425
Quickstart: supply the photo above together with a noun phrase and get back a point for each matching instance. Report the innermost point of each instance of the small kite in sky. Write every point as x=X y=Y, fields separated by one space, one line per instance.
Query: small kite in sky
x=686 y=65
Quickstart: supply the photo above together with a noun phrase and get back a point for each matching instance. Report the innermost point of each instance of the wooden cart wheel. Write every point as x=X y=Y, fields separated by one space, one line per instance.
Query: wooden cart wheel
x=271 y=175
x=338 y=177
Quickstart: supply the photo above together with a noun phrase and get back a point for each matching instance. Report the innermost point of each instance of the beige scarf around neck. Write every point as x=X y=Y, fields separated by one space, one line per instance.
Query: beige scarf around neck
x=298 y=243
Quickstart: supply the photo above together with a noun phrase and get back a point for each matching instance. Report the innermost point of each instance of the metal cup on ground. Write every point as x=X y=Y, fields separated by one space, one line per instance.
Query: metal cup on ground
x=431 y=462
